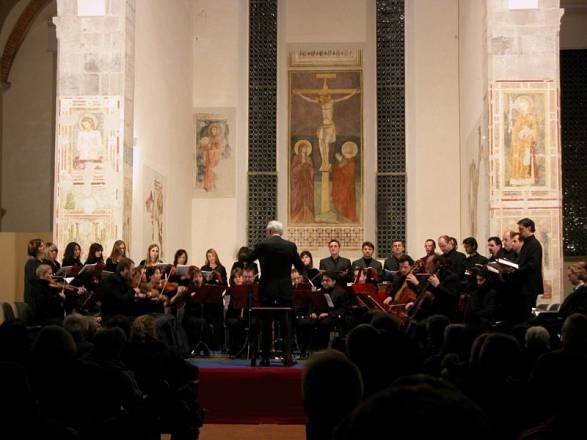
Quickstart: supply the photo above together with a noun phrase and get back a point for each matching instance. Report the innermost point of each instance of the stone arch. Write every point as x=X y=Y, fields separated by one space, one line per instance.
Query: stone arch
x=18 y=35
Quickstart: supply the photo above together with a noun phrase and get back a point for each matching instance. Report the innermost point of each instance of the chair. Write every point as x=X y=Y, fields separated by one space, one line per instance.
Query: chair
x=541 y=306
x=24 y=313
x=554 y=307
x=8 y=312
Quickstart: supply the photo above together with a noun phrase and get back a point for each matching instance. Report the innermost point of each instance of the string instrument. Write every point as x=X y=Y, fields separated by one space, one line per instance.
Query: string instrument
x=405 y=295
x=366 y=275
x=64 y=287
x=425 y=296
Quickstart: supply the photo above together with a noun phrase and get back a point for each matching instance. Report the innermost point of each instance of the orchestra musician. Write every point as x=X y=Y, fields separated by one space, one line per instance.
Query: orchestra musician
x=48 y=297
x=118 y=252
x=213 y=264
x=118 y=290
x=312 y=273
x=276 y=257
x=481 y=308
x=71 y=255
x=194 y=322
x=367 y=260
x=241 y=260
x=236 y=317
x=336 y=263
x=405 y=275
x=236 y=277
x=51 y=257
x=455 y=259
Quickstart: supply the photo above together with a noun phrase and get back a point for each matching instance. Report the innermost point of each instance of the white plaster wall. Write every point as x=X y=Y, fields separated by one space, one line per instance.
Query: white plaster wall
x=220 y=63
x=27 y=134
x=432 y=121
x=473 y=121
x=162 y=116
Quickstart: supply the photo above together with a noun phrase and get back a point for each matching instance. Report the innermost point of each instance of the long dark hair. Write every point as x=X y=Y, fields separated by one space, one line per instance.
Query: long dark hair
x=242 y=254
x=309 y=255
x=95 y=247
x=68 y=254
x=178 y=254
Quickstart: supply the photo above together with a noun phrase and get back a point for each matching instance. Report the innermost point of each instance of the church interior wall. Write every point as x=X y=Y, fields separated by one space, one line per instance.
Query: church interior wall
x=162 y=120
x=432 y=122
x=28 y=128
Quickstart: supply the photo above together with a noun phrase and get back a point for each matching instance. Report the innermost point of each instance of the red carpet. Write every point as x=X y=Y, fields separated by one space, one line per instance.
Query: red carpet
x=252 y=395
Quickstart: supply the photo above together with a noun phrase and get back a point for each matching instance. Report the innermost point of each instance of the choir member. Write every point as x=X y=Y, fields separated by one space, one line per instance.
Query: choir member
x=71 y=255
x=508 y=252
x=95 y=254
x=429 y=247
x=495 y=248
x=312 y=273
x=397 y=250
x=529 y=272
x=336 y=263
x=152 y=259
x=473 y=257
x=516 y=246
x=213 y=264
x=36 y=253
x=51 y=257
x=180 y=258
x=118 y=252
x=368 y=261
x=455 y=259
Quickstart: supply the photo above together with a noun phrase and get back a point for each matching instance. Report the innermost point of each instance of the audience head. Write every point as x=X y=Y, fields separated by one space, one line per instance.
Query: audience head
x=55 y=344
x=143 y=328
x=118 y=251
x=385 y=322
x=332 y=388
x=423 y=406
x=494 y=245
x=499 y=356
x=334 y=247
x=430 y=246
x=574 y=333
x=274 y=227
x=368 y=248
x=36 y=248
x=537 y=339
x=119 y=321
x=397 y=248
x=78 y=327
x=109 y=343
x=474 y=358
x=526 y=227
x=51 y=251
x=180 y=257
x=457 y=339
x=470 y=245
x=307 y=259
x=435 y=326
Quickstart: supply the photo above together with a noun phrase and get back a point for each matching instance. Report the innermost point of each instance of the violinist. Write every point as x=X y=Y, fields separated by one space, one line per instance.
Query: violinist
x=150 y=298
x=368 y=261
x=118 y=252
x=51 y=257
x=213 y=264
x=118 y=290
x=152 y=259
x=48 y=297
x=71 y=255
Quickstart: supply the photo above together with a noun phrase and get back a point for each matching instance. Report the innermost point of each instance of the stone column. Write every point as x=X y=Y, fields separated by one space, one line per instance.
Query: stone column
x=524 y=127
x=93 y=159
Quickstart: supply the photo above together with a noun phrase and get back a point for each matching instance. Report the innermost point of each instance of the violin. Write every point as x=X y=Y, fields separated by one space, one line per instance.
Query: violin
x=64 y=287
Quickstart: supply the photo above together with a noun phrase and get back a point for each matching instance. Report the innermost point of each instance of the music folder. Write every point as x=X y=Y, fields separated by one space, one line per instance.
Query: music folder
x=64 y=271
x=182 y=270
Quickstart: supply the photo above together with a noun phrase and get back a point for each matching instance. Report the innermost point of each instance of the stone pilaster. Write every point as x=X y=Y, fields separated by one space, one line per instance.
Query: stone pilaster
x=524 y=126
x=93 y=166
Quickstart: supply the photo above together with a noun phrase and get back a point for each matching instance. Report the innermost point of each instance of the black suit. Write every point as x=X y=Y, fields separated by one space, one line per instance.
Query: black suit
x=341 y=264
x=117 y=297
x=363 y=263
x=529 y=275
x=457 y=262
x=576 y=302
x=276 y=257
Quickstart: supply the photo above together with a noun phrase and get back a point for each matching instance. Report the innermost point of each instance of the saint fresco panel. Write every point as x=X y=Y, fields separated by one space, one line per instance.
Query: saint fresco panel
x=154 y=201
x=325 y=147
x=213 y=173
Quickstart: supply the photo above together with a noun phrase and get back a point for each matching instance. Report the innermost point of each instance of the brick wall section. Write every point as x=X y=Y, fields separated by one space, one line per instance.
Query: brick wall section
x=18 y=34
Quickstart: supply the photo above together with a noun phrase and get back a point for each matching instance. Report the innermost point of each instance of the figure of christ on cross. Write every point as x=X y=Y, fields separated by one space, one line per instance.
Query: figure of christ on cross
x=326 y=132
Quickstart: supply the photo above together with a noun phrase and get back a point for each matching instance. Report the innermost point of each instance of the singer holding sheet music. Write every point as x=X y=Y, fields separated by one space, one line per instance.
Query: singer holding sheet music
x=276 y=257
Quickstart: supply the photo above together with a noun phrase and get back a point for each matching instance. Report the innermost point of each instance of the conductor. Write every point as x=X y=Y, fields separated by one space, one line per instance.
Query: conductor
x=276 y=256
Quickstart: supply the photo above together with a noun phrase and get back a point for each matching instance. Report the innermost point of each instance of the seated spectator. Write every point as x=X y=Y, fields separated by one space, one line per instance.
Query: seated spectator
x=416 y=407
x=81 y=328
x=332 y=388
x=537 y=343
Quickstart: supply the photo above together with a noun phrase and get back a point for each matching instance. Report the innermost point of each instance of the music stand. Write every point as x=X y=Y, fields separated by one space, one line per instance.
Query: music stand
x=243 y=298
x=206 y=294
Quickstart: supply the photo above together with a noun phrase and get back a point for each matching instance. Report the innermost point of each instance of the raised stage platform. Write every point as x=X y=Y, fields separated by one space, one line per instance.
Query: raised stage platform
x=235 y=393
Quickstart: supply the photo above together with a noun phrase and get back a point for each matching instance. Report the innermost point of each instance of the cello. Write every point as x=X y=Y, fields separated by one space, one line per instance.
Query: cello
x=405 y=295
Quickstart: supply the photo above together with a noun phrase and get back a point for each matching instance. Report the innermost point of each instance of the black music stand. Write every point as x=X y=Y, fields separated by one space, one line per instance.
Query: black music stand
x=244 y=298
x=256 y=311
x=206 y=294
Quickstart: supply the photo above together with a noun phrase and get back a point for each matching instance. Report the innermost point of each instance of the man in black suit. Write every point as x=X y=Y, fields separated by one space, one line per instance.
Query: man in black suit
x=456 y=260
x=276 y=256
x=576 y=301
x=529 y=273
x=117 y=294
x=337 y=264
x=392 y=263
x=368 y=261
